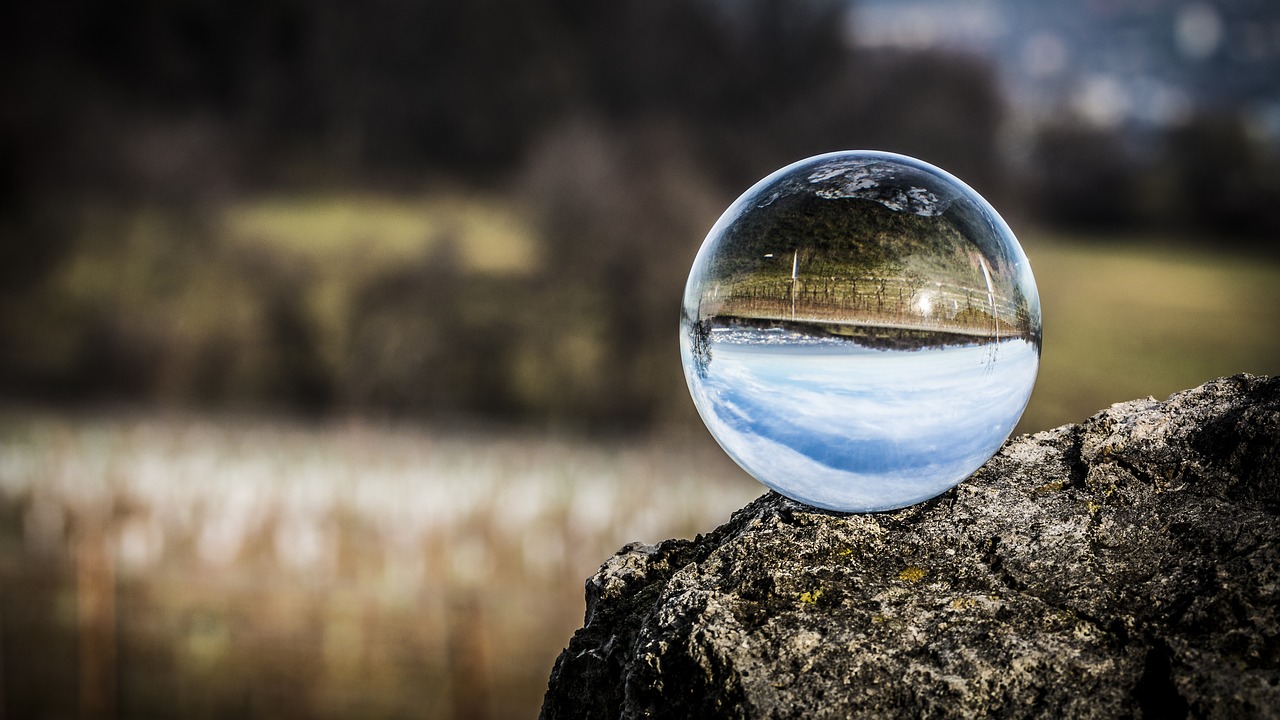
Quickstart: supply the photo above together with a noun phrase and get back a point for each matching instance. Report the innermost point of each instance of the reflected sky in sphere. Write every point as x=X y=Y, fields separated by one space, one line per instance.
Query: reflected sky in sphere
x=860 y=331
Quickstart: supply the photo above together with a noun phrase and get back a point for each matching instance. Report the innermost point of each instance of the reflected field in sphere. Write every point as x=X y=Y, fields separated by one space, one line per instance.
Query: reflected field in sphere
x=860 y=331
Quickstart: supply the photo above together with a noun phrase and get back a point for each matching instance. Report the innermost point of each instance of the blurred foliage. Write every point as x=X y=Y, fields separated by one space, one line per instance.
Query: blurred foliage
x=1208 y=176
x=1225 y=179
x=486 y=208
x=420 y=208
x=196 y=95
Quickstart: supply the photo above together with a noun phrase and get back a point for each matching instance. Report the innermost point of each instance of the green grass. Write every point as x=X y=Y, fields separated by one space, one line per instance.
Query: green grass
x=1123 y=321
x=490 y=236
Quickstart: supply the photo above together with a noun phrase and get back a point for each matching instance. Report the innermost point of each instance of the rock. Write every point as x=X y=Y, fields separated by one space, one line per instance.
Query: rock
x=1128 y=566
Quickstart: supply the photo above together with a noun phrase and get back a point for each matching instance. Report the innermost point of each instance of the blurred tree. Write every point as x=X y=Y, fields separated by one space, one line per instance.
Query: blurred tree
x=1082 y=178
x=621 y=214
x=294 y=375
x=1226 y=181
x=430 y=342
x=943 y=107
x=400 y=86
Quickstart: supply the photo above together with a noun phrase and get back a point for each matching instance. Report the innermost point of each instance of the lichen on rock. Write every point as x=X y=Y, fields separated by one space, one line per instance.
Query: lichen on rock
x=1128 y=566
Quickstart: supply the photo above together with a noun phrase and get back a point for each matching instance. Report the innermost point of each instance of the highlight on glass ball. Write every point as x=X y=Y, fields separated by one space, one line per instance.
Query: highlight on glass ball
x=860 y=331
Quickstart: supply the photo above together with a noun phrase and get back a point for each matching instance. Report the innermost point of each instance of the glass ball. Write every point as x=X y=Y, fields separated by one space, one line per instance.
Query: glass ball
x=860 y=331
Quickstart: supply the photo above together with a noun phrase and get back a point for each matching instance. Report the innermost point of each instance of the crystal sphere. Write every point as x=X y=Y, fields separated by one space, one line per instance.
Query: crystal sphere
x=860 y=331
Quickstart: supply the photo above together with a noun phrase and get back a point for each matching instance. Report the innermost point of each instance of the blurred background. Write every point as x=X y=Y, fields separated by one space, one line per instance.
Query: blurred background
x=338 y=344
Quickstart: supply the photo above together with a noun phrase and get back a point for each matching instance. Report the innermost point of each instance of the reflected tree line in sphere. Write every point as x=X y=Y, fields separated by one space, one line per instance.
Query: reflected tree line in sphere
x=864 y=270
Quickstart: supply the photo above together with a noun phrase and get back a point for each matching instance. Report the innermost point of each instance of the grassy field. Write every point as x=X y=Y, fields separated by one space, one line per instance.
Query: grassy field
x=1127 y=320
x=492 y=237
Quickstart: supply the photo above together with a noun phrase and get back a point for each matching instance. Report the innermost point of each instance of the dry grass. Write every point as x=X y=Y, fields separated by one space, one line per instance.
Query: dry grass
x=178 y=567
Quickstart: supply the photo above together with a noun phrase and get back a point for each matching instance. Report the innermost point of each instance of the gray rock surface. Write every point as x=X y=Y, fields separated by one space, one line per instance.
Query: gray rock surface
x=1128 y=566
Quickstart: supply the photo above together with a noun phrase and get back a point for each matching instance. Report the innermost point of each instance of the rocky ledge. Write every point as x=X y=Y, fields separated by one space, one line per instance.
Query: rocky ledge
x=1128 y=566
